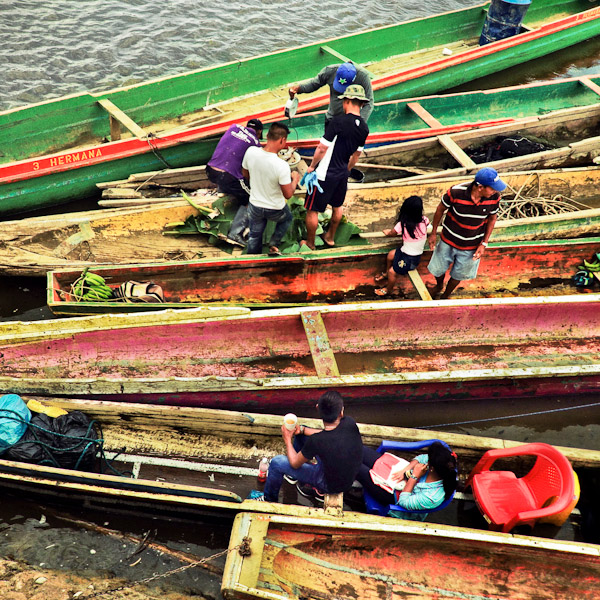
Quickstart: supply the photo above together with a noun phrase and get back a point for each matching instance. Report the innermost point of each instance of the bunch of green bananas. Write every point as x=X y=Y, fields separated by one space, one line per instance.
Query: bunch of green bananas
x=90 y=287
x=593 y=267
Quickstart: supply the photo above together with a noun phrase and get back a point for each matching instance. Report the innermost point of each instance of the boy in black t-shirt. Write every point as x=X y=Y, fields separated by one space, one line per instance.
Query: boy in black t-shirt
x=336 y=154
x=337 y=449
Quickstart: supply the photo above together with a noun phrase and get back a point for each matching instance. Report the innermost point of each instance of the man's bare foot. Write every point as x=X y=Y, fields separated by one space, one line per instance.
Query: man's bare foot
x=435 y=292
x=305 y=243
x=328 y=242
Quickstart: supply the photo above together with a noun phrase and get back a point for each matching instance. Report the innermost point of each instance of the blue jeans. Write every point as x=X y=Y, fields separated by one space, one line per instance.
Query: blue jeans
x=280 y=466
x=239 y=223
x=258 y=218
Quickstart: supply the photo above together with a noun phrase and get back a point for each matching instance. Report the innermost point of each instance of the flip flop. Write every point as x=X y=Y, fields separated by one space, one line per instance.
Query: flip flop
x=274 y=251
x=381 y=292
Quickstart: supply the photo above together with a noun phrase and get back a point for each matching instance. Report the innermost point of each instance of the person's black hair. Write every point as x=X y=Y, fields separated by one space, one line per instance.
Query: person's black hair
x=277 y=131
x=443 y=461
x=411 y=214
x=330 y=406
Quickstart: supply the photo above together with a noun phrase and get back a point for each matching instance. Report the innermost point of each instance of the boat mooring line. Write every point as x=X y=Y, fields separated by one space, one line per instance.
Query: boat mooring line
x=530 y=414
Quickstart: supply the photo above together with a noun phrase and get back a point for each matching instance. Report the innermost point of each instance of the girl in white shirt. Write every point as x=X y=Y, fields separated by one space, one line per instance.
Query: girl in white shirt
x=411 y=225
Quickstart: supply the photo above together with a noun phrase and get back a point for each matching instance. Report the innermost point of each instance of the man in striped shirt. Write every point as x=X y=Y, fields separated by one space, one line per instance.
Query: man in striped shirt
x=471 y=215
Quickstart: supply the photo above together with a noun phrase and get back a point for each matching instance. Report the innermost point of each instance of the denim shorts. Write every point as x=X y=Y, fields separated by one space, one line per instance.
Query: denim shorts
x=403 y=263
x=463 y=265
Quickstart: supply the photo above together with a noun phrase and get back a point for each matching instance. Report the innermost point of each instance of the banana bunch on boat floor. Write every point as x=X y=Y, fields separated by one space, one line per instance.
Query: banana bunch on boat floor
x=585 y=276
x=90 y=287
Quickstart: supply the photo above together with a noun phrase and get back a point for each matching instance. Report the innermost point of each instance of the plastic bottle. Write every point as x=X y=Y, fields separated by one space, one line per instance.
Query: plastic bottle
x=263 y=468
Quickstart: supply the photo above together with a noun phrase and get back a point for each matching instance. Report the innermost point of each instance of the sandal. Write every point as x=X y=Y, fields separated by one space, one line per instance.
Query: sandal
x=274 y=251
x=381 y=292
x=381 y=277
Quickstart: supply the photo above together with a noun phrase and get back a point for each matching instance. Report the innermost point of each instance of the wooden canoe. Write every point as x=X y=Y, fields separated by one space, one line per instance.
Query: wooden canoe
x=392 y=352
x=530 y=268
x=34 y=246
x=194 y=461
x=282 y=558
x=54 y=151
x=571 y=135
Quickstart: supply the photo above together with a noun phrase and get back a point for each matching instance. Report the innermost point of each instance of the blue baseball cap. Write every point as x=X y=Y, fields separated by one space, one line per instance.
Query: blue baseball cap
x=344 y=76
x=489 y=177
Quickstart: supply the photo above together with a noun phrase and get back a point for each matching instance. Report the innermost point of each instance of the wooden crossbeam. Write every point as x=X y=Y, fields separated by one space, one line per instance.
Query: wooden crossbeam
x=419 y=285
x=590 y=84
x=118 y=116
x=328 y=50
x=318 y=342
x=424 y=115
x=457 y=152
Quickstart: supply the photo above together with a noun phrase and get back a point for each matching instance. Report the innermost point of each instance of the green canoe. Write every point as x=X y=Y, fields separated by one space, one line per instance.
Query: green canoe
x=58 y=150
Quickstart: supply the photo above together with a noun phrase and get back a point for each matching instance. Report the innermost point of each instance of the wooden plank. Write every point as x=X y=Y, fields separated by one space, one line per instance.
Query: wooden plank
x=419 y=285
x=120 y=116
x=591 y=85
x=318 y=341
x=457 y=152
x=419 y=170
x=250 y=567
x=424 y=115
x=329 y=50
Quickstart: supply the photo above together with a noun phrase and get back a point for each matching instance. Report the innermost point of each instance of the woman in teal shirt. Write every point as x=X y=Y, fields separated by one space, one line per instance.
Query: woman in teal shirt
x=428 y=480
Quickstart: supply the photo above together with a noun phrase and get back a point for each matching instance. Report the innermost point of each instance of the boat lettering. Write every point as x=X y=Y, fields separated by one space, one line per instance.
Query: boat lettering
x=588 y=14
x=75 y=157
x=36 y=165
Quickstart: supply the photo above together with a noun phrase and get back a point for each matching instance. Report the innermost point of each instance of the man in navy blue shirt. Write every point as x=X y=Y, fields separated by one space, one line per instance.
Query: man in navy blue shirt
x=338 y=151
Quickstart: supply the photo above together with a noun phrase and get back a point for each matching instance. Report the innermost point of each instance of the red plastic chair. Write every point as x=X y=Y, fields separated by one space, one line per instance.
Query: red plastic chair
x=507 y=500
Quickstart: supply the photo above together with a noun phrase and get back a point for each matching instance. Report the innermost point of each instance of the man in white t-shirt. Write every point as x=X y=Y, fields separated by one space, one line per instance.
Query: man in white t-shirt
x=271 y=184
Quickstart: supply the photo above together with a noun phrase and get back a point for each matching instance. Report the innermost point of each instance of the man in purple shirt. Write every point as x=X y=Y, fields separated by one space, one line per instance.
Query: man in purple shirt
x=225 y=170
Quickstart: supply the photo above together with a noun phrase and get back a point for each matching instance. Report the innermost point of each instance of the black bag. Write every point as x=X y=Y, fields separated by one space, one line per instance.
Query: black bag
x=520 y=147
x=70 y=441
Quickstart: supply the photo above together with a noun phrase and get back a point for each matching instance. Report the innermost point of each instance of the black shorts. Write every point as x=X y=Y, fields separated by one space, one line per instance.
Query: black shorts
x=334 y=194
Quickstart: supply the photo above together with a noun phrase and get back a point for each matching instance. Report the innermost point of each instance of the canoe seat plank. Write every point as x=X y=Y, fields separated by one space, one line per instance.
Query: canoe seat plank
x=328 y=50
x=318 y=341
x=250 y=570
x=424 y=115
x=590 y=84
x=456 y=151
x=117 y=114
x=419 y=285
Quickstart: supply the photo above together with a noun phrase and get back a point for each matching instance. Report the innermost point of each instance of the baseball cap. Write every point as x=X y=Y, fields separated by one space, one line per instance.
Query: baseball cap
x=257 y=125
x=489 y=177
x=355 y=92
x=344 y=76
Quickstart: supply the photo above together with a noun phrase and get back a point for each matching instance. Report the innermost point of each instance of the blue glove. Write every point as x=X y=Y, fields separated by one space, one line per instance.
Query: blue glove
x=310 y=181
